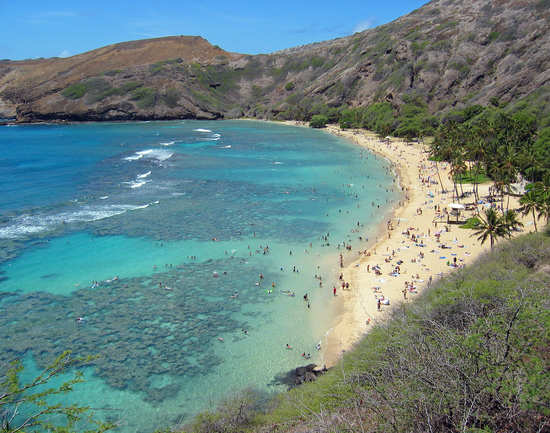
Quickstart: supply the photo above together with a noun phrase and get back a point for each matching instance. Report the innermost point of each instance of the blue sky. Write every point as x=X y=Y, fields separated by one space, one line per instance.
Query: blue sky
x=60 y=28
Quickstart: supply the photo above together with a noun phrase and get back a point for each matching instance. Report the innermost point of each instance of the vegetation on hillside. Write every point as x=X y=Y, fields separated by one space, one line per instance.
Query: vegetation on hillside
x=501 y=145
x=443 y=56
x=470 y=355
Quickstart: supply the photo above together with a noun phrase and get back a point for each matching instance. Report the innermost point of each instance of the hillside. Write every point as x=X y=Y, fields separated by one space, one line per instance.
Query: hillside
x=40 y=84
x=470 y=355
x=447 y=53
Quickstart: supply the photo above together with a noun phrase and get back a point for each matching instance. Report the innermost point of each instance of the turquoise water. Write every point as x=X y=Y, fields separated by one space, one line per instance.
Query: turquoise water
x=155 y=235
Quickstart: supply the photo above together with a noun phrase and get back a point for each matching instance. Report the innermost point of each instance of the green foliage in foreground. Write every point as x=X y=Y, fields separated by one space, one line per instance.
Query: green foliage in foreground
x=27 y=406
x=470 y=355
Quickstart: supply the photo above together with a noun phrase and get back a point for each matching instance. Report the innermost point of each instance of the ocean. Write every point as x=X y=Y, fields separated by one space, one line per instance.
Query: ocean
x=179 y=253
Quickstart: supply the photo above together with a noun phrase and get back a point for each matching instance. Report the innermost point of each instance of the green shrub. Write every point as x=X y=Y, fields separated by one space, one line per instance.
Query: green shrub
x=144 y=97
x=75 y=91
x=129 y=86
x=170 y=98
x=469 y=353
x=472 y=223
x=493 y=36
x=318 y=121
x=290 y=86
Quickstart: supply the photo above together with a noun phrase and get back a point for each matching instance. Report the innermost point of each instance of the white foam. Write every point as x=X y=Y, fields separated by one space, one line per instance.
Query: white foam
x=158 y=154
x=167 y=143
x=226 y=147
x=15 y=231
x=28 y=224
x=138 y=155
x=144 y=175
x=134 y=157
x=216 y=135
x=201 y=130
x=136 y=183
x=277 y=163
x=105 y=197
x=145 y=206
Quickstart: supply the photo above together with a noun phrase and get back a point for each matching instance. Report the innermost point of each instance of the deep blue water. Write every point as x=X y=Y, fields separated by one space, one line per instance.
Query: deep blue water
x=155 y=234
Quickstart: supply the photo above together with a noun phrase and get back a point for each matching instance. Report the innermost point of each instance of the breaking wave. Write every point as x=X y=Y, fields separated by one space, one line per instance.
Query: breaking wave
x=25 y=224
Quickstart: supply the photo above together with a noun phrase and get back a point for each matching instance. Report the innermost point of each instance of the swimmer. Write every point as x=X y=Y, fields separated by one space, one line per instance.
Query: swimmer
x=288 y=346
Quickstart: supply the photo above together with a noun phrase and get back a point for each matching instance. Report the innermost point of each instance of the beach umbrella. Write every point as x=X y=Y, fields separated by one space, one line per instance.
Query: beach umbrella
x=457 y=207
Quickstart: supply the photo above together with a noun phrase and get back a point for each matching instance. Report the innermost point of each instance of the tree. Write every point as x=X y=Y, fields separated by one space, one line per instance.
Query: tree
x=318 y=121
x=531 y=203
x=512 y=222
x=492 y=227
x=24 y=406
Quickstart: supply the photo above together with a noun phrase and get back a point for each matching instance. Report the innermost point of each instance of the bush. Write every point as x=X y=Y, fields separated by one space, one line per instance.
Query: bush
x=129 y=86
x=171 y=97
x=234 y=414
x=318 y=121
x=144 y=97
x=290 y=86
x=75 y=91
x=470 y=355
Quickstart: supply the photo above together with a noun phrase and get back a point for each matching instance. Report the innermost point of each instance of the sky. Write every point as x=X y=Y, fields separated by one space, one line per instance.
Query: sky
x=45 y=28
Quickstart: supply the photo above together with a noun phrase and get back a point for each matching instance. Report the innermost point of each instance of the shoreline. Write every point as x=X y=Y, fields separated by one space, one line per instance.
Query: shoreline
x=417 y=240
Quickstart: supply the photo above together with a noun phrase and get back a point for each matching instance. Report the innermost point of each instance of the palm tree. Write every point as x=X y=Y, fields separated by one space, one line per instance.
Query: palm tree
x=476 y=154
x=530 y=203
x=508 y=170
x=492 y=227
x=512 y=221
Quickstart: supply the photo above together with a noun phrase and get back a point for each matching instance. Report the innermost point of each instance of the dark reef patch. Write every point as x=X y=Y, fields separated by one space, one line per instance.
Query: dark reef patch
x=164 y=324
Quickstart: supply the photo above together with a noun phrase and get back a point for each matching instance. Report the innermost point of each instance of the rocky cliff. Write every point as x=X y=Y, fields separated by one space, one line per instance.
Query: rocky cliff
x=449 y=53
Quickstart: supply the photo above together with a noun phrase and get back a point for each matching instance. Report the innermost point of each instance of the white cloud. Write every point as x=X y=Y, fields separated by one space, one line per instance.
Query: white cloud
x=364 y=25
x=64 y=53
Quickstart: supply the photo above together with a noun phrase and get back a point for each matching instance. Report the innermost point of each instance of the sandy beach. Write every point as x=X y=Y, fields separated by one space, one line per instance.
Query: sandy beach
x=417 y=245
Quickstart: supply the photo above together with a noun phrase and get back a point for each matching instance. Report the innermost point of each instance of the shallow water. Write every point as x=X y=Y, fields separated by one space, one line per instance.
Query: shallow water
x=155 y=234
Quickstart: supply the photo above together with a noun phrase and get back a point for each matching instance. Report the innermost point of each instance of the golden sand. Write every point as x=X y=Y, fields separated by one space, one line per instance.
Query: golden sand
x=422 y=212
